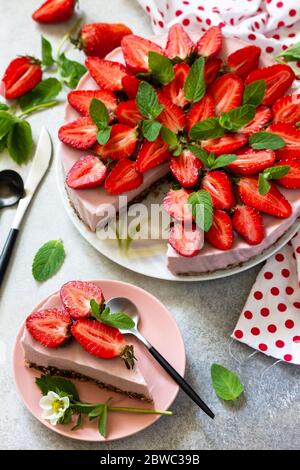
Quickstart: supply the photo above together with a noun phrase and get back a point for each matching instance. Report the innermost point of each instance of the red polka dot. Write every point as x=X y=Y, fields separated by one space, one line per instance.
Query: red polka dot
x=294 y=256
x=289 y=324
x=186 y=22
x=279 y=4
x=161 y=24
x=272 y=328
x=292 y=12
x=268 y=275
x=269 y=1
x=296 y=339
x=208 y=21
x=265 y=312
x=231 y=21
x=288 y=357
x=258 y=295
x=248 y=314
x=255 y=331
x=292 y=35
x=276 y=36
x=296 y=304
x=154 y=22
x=274 y=291
x=256 y=24
x=289 y=290
x=201 y=8
x=279 y=343
x=263 y=347
x=281 y=307
x=285 y=272
x=199 y=19
x=298 y=250
x=280 y=24
x=279 y=257
x=186 y=2
x=222 y=24
x=284 y=47
x=238 y=334
x=252 y=37
x=161 y=14
x=269 y=49
x=148 y=9
x=178 y=12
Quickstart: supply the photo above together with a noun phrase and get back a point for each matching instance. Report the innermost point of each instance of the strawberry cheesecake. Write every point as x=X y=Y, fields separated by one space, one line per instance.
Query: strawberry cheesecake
x=62 y=338
x=212 y=113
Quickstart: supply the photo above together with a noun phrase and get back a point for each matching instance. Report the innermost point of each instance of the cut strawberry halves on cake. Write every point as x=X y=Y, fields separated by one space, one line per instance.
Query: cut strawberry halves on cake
x=251 y=162
x=211 y=69
x=220 y=235
x=130 y=86
x=80 y=134
x=50 y=327
x=227 y=92
x=152 y=154
x=210 y=43
x=287 y=109
x=179 y=44
x=121 y=143
x=186 y=240
x=77 y=295
x=177 y=206
x=292 y=179
x=219 y=187
x=291 y=136
x=186 y=168
x=135 y=50
x=128 y=113
x=278 y=79
x=174 y=90
x=80 y=100
x=249 y=224
x=262 y=117
x=204 y=109
x=123 y=178
x=226 y=144
x=243 y=61
x=273 y=203
x=106 y=73
x=87 y=172
x=171 y=116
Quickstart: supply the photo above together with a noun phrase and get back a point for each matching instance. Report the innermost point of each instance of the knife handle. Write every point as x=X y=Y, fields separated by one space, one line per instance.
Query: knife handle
x=7 y=251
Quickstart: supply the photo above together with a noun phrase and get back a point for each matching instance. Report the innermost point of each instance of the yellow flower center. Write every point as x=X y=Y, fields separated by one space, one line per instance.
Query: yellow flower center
x=57 y=405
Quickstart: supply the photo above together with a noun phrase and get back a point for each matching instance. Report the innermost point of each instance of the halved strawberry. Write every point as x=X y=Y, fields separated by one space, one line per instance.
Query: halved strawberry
x=102 y=340
x=186 y=168
x=262 y=117
x=106 y=73
x=152 y=154
x=128 y=113
x=186 y=240
x=177 y=206
x=226 y=144
x=220 y=235
x=179 y=44
x=80 y=100
x=227 y=92
x=121 y=143
x=251 y=162
x=204 y=109
x=21 y=76
x=123 y=177
x=248 y=223
x=244 y=60
x=291 y=135
x=273 y=203
x=172 y=116
x=287 y=109
x=135 y=50
x=80 y=134
x=278 y=79
x=54 y=11
x=77 y=295
x=87 y=172
x=50 y=327
x=219 y=187
x=130 y=86
x=210 y=43
x=174 y=90
x=211 y=69
x=292 y=179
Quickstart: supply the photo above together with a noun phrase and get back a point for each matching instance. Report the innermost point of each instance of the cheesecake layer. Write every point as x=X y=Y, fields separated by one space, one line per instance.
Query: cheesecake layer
x=72 y=360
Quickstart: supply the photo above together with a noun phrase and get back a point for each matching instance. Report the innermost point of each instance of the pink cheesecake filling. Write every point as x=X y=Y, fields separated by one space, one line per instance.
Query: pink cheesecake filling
x=73 y=357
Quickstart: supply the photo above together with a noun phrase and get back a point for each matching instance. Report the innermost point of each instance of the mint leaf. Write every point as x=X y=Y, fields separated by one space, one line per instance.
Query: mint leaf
x=276 y=172
x=147 y=101
x=103 y=135
x=263 y=185
x=47 y=383
x=210 y=128
x=161 y=67
x=237 y=117
x=99 y=113
x=102 y=422
x=19 y=142
x=151 y=129
x=201 y=208
x=47 y=58
x=3 y=107
x=292 y=54
x=199 y=153
x=43 y=93
x=119 y=320
x=7 y=120
x=48 y=260
x=168 y=136
x=266 y=140
x=226 y=384
x=223 y=160
x=70 y=71
x=194 y=85
x=254 y=92
x=95 y=307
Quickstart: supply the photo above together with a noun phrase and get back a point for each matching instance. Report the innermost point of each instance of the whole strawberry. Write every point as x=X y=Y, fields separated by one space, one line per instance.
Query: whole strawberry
x=54 y=11
x=21 y=76
x=99 y=39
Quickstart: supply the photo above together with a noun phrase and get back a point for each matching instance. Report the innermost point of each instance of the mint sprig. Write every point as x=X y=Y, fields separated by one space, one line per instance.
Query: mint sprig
x=48 y=260
x=150 y=129
x=210 y=160
x=194 y=85
x=238 y=117
x=147 y=101
x=292 y=54
x=118 y=320
x=161 y=67
x=225 y=383
x=209 y=128
x=271 y=173
x=266 y=140
x=200 y=205
x=100 y=116
x=171 y=139
x=254 y=93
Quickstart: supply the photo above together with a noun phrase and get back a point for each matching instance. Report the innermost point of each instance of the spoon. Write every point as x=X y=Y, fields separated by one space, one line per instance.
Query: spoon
x=11 y=188
x=121 y=304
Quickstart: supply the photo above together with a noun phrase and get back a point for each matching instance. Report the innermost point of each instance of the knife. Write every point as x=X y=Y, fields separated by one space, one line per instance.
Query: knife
x=38 y=168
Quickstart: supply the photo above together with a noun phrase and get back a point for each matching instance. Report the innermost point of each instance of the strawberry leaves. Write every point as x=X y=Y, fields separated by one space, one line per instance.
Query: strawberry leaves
x=271 y=173
x=161 y=67
x=42 y=96
x=47 y=58
x=19 y=142
x=194 y=85
x=48 y=260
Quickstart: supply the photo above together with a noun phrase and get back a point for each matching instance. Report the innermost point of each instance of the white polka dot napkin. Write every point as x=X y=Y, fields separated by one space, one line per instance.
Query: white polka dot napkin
x=270 y=321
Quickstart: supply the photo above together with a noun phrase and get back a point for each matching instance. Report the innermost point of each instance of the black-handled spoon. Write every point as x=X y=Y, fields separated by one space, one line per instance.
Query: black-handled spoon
x=120 y=304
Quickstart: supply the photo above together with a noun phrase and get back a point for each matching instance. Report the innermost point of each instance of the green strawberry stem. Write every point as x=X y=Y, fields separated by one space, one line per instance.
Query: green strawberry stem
x=66 y=37
x=49 y=104
x=149 y=411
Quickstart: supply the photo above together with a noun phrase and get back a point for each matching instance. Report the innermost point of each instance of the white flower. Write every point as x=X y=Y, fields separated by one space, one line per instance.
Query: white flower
x=54 y=407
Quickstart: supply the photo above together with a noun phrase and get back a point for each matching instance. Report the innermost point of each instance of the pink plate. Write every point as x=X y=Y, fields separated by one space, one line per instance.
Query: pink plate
x=155 y=322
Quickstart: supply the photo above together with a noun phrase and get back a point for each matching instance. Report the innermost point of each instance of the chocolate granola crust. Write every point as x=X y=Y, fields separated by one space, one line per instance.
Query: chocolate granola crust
x=70 y=374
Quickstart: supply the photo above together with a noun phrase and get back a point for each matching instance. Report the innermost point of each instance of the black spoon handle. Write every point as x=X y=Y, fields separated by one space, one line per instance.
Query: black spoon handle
x=180 y=381
x=7 y=251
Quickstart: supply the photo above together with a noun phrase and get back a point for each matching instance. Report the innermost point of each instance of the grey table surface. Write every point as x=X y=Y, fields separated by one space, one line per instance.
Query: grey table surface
x=267 y=417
